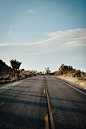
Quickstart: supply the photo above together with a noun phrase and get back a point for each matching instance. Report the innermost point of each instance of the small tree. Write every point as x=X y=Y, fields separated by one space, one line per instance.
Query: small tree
x=15 y=65
x=47 y=71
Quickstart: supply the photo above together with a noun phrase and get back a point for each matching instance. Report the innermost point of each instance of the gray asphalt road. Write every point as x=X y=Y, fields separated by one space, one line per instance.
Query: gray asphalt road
x=24 y=105
x=67 y=104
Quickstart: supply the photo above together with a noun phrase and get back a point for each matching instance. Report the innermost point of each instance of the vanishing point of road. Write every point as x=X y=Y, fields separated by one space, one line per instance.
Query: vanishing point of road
x=25 y=105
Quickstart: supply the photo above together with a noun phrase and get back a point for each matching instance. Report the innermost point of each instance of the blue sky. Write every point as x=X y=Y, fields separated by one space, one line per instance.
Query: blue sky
x=43 y=33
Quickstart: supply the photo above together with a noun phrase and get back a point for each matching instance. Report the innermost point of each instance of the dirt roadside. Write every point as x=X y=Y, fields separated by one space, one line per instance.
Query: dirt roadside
x=75 y=80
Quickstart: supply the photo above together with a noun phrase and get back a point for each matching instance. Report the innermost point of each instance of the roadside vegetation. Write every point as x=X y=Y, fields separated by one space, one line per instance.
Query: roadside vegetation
x=68 y=70
x=14 y=73
x=6 y=77
x=71 y=74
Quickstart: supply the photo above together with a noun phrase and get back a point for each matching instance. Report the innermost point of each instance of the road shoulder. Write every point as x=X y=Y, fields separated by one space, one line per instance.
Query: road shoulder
x=65 y=80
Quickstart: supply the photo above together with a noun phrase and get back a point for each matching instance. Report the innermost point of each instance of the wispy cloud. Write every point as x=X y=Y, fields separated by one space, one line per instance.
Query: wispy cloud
x=76 y=37
x=57 y=41
x=76 y=42
x=9 y=31
x=32 y=11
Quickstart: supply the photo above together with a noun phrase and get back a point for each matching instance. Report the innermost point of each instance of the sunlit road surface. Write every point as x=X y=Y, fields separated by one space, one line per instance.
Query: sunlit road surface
x=24 y=106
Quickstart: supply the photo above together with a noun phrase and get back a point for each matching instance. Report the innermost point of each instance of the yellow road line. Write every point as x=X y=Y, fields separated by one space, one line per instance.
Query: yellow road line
x=44 y=90
x=49 y=108
x=46 y=122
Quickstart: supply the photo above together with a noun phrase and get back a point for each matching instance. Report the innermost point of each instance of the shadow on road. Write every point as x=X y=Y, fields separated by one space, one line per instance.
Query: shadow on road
x=20 y=121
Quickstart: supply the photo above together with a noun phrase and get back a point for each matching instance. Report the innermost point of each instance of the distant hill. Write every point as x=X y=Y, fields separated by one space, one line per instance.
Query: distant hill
x=4 y=67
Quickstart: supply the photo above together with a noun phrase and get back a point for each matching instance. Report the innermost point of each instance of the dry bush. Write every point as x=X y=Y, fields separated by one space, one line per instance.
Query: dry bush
x=8 y=77
x=82 y=78
x=57 y=73
x=77 y=73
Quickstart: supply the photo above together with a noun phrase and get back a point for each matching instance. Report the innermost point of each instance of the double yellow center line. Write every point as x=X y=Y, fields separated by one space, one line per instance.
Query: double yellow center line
x=49 y=109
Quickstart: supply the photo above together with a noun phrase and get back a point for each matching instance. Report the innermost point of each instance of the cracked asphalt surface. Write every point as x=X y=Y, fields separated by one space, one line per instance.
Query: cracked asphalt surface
x=24 y=106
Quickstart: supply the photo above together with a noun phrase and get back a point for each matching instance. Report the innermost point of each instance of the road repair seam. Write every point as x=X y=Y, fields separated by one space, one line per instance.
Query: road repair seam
x=72 y=86
x=49 y=108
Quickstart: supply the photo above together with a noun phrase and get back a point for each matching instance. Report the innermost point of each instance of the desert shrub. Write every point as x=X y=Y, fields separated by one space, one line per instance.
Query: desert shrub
x=20 y=76
x=7 y=78
x=5 y=81
x=57 y=73
x=83 y=74
x=65 y=72
x=70 y=71
x=23 y=76
x=1 y=78
x=10 y=73
x=26 y=76
x=82 y=78
x=4 y=73
x=77 y=73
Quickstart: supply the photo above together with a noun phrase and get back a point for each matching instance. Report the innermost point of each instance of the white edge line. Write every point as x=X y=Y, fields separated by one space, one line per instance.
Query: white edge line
x=72 y=86
x=9 y=87
x=12 y=86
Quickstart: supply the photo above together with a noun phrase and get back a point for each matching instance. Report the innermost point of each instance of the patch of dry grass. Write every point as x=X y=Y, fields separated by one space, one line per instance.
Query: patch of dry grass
x=8 y=77
x=76 y=80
